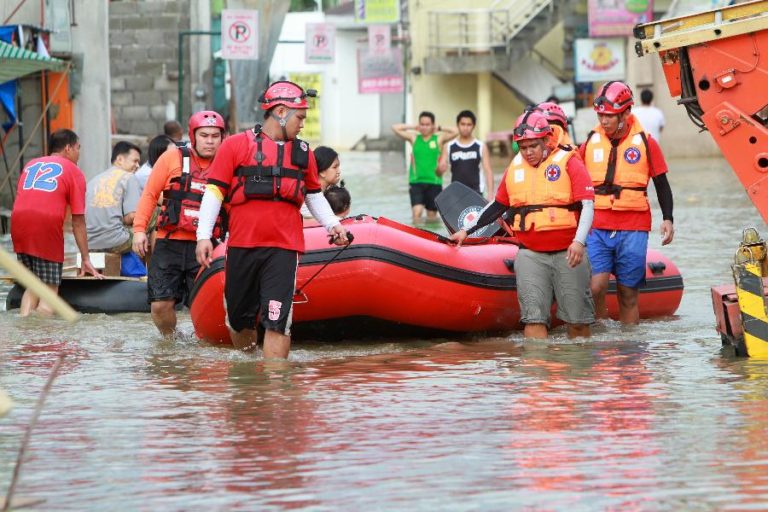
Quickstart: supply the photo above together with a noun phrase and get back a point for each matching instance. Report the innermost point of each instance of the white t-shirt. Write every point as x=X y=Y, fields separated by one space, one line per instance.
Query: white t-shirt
x=651 y=118
x=143 y=174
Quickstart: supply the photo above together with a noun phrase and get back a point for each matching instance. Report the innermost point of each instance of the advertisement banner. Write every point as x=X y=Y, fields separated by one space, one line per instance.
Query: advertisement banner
x=377 y=11
x=311 y=130
x=600 y=60
x=379 y=72
x=239 y=34
x=608 y=18
x=320 y=43
x=379 y=38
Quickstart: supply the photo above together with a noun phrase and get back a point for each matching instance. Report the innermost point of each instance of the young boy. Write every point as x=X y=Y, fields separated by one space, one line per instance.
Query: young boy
x=339 y=199
x=468 y=157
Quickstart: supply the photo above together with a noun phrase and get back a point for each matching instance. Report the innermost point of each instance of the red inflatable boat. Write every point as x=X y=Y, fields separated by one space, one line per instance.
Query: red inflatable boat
x=413 y=278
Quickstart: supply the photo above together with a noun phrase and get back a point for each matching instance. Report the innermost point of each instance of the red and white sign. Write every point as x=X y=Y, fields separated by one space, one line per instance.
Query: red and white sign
x=240 y=34
x=379 y=38
x=320 y=43
x=379 y=73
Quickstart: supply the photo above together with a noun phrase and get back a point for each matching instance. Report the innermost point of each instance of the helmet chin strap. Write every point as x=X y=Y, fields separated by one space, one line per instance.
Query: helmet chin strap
x=283 y=121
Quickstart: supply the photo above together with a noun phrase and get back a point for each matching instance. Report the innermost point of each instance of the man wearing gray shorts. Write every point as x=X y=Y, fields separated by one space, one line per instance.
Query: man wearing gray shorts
x=550 y=200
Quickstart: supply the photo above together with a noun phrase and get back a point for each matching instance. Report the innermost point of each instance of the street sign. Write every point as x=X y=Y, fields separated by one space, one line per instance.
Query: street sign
x=240 y=34
x=379 y=38
x=320 y=43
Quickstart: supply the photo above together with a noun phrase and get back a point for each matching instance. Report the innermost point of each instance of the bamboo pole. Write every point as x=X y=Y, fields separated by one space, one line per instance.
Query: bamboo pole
x=30 y=281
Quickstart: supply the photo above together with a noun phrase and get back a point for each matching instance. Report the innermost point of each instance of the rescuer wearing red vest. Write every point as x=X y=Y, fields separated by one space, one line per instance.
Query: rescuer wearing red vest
x=180 y=176
x=263 y=175
x=621 y=158
x=548 y=195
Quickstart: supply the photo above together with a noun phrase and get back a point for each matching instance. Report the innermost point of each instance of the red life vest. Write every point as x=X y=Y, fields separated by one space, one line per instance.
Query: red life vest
x=275 y=177
x=182 y=198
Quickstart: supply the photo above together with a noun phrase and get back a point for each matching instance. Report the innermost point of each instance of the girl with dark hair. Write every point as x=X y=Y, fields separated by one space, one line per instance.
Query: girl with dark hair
x=328 y=170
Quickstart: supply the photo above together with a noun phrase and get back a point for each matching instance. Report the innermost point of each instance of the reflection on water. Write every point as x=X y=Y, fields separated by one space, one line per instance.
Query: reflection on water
x=646 y=418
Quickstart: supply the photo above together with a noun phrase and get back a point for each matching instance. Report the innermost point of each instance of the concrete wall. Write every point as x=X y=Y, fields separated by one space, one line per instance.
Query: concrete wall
x=143 y=45
x=91 y=109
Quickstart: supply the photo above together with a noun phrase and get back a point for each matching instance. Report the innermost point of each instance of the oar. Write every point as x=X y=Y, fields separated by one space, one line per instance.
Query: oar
x=351 y=238
x=31 y=282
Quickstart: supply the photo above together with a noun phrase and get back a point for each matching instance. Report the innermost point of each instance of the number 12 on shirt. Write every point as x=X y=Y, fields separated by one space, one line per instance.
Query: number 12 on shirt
x=43 y=176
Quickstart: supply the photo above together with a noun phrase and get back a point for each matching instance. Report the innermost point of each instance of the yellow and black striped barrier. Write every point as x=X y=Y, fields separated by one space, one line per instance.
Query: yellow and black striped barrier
x=748 y=272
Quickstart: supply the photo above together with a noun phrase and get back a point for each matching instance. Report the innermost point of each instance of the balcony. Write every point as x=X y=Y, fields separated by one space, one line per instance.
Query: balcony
x=486 y=39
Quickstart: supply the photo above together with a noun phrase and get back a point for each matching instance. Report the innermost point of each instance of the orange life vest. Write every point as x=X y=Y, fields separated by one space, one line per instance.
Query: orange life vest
x=541 y=196
x=181 y=200
x=561 y=136
x=281 y=178
x=619 y=169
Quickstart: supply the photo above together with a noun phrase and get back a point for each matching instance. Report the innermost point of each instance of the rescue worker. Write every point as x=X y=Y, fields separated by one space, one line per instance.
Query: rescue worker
x=180 y=176
x=263 y=175
x=550 y=200
x=557 y=120
x=621 y=158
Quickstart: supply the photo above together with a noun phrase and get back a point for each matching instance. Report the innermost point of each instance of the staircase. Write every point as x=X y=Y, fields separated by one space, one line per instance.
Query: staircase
x=475 y=40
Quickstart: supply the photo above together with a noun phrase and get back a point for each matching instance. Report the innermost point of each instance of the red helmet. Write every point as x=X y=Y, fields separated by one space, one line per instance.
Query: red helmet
x=553 y=112
x=285 y=93
x=203 y=119
x=531 y=125
x=614 y=98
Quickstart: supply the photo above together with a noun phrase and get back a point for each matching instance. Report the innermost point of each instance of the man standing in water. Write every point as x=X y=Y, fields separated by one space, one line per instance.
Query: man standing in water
x=425 y=176
x=180 y=176
x=621 y=159
x=263 y=174
x=47 y=187
x=548 y=191
x=469 y=158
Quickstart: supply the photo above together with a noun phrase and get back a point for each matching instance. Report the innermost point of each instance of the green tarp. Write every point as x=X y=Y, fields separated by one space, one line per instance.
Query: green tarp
x=16 y=62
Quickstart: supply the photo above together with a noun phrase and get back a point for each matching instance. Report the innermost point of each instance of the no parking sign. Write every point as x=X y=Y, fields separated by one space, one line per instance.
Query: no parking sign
x=240 y=34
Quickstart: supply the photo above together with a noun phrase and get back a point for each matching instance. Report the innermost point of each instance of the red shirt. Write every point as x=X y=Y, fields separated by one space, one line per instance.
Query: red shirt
x=258 y=223
x=46 y=187
x=631 y=221
x=557 y=239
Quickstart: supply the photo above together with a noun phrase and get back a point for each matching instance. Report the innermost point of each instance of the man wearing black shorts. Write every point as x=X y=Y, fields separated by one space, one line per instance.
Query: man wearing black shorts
x=263 y=174
x=179 y=176
x=425 y=173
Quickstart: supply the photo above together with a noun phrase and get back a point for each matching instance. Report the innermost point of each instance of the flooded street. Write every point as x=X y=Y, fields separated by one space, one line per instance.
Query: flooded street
x=648 y=418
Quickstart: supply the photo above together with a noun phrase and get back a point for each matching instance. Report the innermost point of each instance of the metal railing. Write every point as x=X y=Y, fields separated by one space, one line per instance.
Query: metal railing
x=466 y=31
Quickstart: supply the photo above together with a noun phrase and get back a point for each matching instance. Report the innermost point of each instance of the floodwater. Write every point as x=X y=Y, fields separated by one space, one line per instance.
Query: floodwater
x=649 y=418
